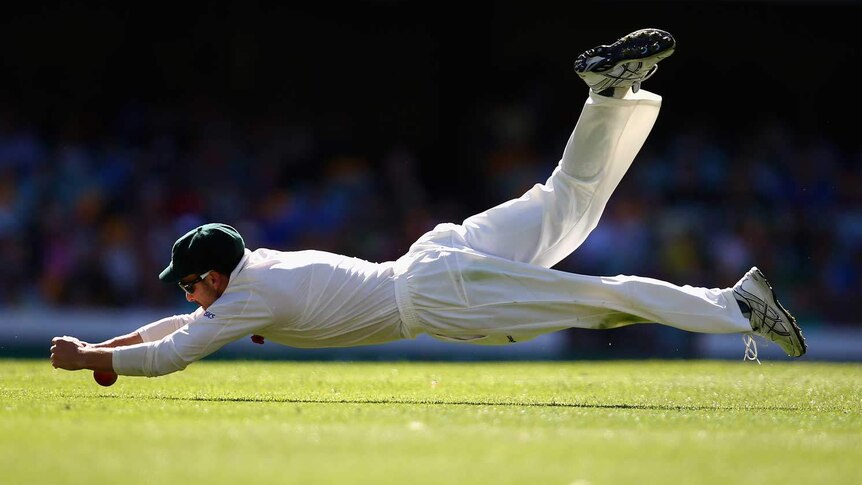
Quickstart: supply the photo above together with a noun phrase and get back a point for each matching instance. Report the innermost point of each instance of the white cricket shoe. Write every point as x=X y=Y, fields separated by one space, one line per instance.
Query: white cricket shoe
x=625 y=63
x=768 y=318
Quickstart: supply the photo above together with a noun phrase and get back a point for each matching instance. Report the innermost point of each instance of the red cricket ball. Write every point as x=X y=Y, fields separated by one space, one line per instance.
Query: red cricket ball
x=104 y=378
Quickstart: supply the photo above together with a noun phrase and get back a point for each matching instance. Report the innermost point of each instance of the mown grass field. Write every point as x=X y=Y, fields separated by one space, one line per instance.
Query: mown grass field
x=639 y=422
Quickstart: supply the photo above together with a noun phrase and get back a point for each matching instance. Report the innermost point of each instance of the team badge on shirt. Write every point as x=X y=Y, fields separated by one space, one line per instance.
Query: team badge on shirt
x=209 y=315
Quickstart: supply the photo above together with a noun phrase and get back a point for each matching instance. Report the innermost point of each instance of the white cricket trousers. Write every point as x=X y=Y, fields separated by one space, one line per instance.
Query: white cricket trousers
x=489 y=280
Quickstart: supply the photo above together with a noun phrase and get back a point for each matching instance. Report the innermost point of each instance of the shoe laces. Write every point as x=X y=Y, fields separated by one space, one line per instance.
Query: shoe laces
x=750 y=348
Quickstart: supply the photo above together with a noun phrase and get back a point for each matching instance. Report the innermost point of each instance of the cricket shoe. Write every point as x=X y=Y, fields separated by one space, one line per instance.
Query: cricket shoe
x=768 y=318
x=625 y=63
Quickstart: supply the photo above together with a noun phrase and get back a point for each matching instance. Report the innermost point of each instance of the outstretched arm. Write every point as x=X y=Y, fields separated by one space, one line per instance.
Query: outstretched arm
x=70 y=353
x=170 y=344
x=121 y=341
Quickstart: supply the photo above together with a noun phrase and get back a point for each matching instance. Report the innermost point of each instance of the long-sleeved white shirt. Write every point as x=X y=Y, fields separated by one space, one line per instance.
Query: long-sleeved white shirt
x=300 y=299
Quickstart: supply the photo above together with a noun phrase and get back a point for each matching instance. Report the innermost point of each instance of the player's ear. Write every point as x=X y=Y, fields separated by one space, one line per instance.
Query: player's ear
x=219 y=279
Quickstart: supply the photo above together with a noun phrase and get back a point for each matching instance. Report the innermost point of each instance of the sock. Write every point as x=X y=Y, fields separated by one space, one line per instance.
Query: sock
x=618 y=93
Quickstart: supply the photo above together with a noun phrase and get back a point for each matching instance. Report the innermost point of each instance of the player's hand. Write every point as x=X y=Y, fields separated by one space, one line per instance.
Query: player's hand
x=66 y=353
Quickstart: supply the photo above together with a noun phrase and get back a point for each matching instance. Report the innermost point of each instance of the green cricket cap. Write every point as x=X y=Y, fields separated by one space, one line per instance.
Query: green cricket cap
x=210 y=246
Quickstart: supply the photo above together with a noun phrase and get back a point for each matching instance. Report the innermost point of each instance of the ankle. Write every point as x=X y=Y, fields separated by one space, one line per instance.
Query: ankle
x=617 y=92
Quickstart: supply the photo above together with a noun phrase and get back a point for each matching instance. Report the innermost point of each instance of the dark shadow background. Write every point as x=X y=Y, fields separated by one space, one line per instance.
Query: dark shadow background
x=355 y=127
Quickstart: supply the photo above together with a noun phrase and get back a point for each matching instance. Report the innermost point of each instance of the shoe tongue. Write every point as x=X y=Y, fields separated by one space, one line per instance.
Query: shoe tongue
x=744 y=307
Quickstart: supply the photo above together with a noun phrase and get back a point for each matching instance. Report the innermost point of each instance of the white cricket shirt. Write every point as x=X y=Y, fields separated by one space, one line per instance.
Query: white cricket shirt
x=300 y=299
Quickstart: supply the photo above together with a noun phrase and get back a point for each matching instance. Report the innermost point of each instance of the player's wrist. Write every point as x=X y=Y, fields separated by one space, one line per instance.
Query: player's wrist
x=96 y=358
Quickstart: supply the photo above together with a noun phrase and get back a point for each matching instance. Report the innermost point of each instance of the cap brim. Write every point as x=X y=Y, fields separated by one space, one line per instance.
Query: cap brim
x=169 y=274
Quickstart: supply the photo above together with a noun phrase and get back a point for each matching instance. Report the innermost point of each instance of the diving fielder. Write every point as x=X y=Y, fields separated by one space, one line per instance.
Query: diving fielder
x=484 y=281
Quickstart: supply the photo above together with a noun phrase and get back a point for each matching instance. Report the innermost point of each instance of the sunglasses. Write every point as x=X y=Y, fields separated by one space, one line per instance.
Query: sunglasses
x=189 y=286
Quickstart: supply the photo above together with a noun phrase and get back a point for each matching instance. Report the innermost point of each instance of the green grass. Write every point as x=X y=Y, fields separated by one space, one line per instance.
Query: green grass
x=637 y=422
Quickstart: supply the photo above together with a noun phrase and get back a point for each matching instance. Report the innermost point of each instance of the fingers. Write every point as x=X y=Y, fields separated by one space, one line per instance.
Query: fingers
x=54 y=352
x=67 y=338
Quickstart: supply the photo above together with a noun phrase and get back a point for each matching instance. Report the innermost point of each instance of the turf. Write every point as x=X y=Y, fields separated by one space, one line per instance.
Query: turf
x=413 y=423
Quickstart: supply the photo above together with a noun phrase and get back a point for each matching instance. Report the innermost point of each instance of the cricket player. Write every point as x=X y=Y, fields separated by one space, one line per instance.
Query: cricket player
x=487 y=280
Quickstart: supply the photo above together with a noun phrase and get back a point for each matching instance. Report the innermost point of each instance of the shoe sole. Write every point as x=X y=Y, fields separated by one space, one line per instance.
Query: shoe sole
x=637 y=46
x=799 y=340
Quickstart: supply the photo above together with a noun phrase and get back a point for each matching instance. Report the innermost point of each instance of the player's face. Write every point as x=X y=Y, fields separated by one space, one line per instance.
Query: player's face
x=200 y=289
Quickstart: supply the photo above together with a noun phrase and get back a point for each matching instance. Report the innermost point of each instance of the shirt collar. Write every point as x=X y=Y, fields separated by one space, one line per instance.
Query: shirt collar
x=239 y=267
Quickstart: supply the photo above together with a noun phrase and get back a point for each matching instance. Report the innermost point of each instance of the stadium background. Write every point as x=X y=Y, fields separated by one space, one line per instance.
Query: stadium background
x=354 y=127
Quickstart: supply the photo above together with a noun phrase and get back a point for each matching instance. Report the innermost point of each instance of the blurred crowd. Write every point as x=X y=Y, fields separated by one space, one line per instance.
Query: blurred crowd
x=88 y=213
